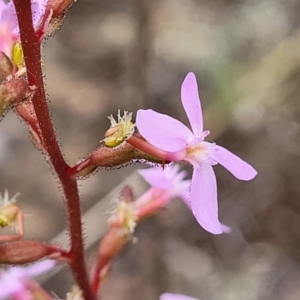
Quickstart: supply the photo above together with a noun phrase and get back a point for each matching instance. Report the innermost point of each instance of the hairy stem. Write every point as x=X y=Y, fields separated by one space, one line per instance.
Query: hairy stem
x=31 y=50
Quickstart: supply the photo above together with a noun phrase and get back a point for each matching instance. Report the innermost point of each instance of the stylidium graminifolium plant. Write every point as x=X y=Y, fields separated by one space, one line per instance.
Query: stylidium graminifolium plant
x=154 y=139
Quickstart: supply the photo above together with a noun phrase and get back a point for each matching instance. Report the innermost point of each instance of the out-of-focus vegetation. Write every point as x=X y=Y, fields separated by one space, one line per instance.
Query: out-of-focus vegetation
x=131 y=54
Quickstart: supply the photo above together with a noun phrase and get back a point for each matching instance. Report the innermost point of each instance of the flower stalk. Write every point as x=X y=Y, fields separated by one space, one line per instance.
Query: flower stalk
x=32 y=55
x=106 y=157
x=28 y=251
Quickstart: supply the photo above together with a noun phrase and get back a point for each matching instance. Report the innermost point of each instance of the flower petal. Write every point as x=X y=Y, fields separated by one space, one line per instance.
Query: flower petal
x=204 y=200
x=9 y=286
x=37 y=268
x=225 y=228
x=2 y=6
x=38 y=8
x=9 y=16
x=169 y=296
x=156 y=178
x=191 y=103
x=235 y=165
x=12 y=280
x=183 y=191
x=162 y=131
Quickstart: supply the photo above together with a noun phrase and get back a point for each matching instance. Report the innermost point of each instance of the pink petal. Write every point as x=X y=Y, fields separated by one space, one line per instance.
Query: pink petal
x=9 y=16
x=191 y=102
x=162 y=131
x=37 y=268
x=184 y=193
x=236 y=166
x=169 y=296
x=225 y=228
x=38 y=9
x=13 y=280
x=9 y=286
x=204 y=200
x=2 y=6
x=22 y=294
x=156 y=178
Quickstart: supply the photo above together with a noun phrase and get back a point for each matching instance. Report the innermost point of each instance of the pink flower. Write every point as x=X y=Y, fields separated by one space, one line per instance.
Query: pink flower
x=170 y=180
x=165 y=185
x=9 y=28
x=169 y=296
x=13 y=281
x=170 y=135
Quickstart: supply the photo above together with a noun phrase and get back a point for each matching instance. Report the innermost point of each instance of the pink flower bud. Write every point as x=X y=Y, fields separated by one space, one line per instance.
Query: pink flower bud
x=26 y=251
x=6 y=66
x=59 y=7
x=113 y=242
x=108 y=158
x=11 y=92
x=123 y=215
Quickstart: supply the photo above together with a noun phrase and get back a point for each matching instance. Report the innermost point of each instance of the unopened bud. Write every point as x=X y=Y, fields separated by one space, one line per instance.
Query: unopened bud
x=126 y=194
x=112 y=243
x=6 y=66
x=105 y=157
x=49 y=24
x=11 y=92
x=59 y=7
x=25 y=251
x=54 y=25
x=123 y=215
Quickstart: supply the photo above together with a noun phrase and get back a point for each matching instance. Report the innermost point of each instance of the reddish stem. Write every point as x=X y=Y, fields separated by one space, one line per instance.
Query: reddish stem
x=102 y=262
x=110 y=246
x=31 y=50
x=108 y=158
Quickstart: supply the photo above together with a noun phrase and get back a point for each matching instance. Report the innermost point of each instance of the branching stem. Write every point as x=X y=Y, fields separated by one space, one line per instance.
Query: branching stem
x=31 y=49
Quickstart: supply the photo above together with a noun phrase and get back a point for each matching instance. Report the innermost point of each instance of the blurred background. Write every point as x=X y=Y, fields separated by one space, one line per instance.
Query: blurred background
x=132 y=54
